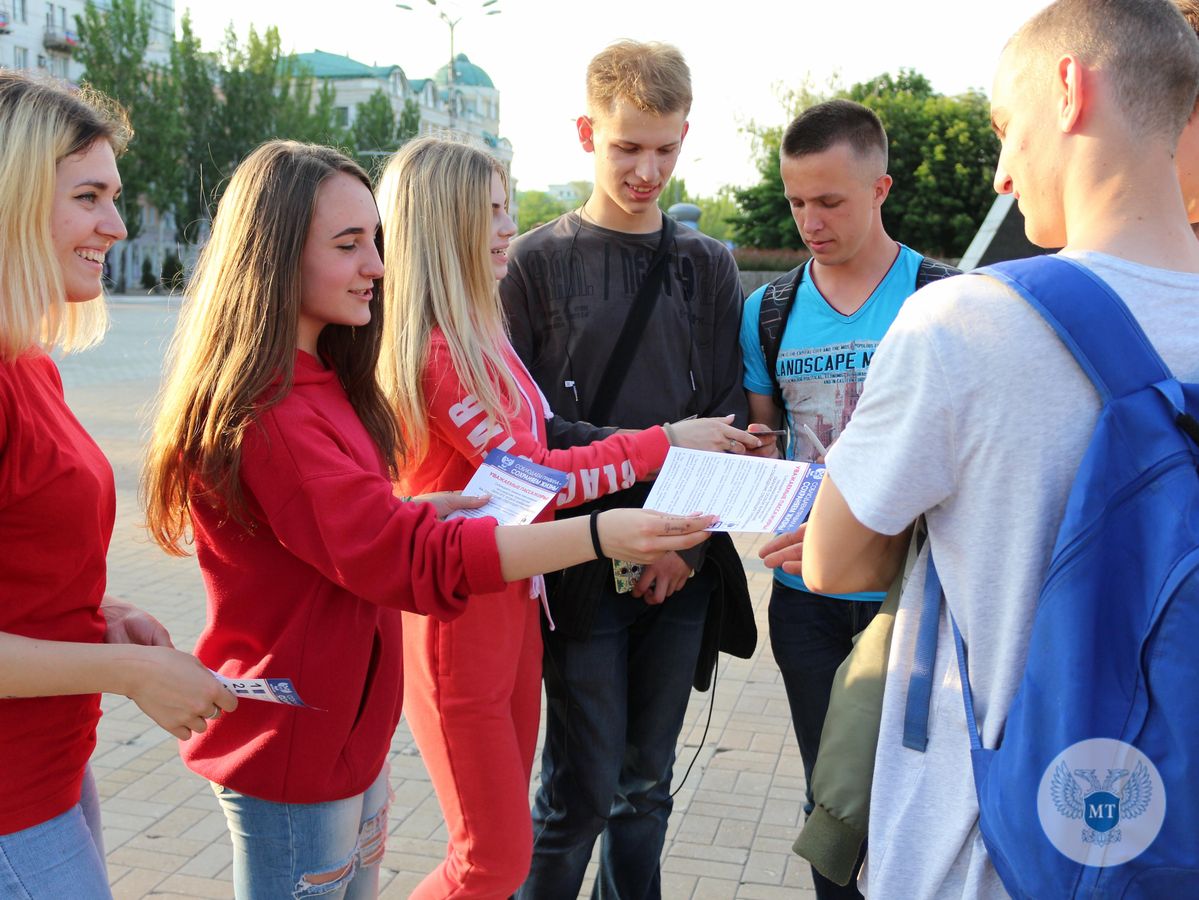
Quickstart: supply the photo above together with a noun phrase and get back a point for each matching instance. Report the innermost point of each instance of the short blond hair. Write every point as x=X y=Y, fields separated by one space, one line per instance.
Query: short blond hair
x=1146 y=47
x=652 y=76
x=43 y=122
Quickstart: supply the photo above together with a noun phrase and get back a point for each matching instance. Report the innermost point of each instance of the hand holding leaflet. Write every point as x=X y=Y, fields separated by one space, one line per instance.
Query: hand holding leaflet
x=270 y=690
x=747 y=493
x=519 y=489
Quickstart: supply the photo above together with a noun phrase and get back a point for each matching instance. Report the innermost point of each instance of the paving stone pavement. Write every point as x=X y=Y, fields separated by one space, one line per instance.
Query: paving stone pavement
x=735 y=815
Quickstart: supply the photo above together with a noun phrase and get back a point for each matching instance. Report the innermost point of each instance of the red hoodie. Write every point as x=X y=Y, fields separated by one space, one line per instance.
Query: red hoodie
x=312 y=593
x=461 y=434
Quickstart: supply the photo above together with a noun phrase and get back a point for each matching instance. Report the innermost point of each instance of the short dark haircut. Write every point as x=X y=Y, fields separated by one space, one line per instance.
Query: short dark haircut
x=835 y=121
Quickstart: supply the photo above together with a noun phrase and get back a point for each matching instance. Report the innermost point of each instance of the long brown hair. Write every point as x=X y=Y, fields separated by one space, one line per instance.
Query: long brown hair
x=233 y=354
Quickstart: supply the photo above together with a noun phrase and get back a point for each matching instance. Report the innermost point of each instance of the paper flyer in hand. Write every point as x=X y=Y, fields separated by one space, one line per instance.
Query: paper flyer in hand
x=748 y=493
x=270 y=690
x=519 y=489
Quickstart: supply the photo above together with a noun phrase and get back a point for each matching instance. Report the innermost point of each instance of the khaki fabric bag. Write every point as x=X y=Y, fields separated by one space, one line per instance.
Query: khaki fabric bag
x=832 y=837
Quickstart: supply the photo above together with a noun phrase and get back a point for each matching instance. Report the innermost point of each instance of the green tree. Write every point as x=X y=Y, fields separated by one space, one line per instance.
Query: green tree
x=374 y=130
x=305 y=111
x=251 y=80
x=112 y=49
x=194 y=74
x=408 y=126
x=536 y=208
x=942 y=153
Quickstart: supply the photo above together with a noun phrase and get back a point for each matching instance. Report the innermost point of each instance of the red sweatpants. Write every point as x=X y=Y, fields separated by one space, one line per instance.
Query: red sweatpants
x=472 y=696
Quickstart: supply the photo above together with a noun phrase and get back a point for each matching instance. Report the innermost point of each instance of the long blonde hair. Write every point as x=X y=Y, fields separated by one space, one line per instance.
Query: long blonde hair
x=41 y=123
x=233 y=354
x=435 y=206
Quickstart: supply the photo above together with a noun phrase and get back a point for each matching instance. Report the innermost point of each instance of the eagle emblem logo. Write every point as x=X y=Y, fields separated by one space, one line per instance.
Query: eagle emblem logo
x=1101 y=806
x=1101 y=802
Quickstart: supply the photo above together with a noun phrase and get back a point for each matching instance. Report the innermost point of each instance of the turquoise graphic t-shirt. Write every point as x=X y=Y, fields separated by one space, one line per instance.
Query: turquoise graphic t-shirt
x=823 y=360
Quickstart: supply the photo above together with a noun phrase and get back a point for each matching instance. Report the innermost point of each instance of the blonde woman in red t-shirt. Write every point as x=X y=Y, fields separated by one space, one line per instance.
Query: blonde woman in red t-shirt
x=62 y=642
x=473 y=685
x=274 y=446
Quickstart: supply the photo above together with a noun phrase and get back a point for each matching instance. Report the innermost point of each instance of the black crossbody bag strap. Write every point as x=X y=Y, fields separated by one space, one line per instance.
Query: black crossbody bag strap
x=634 y=328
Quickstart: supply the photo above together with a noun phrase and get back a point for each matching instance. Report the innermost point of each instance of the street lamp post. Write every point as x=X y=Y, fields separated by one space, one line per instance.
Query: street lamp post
x=452 y=24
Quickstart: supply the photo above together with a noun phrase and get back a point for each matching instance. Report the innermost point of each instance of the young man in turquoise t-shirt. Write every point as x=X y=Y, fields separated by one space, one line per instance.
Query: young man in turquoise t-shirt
x=833 y=163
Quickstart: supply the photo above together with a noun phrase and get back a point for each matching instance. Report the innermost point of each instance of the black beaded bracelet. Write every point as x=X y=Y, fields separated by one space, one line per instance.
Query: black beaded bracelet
x=595 y=541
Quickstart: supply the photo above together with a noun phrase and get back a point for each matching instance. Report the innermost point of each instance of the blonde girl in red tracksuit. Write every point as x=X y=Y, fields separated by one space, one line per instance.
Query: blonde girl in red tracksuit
x=473 y=686
x=274 y=446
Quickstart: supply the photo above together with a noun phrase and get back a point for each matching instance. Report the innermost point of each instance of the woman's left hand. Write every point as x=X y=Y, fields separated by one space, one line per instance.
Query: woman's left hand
x=446 y=502
x=128 y=624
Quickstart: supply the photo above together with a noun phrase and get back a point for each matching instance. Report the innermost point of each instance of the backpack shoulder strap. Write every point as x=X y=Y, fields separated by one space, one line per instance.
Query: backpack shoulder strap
x=777 y=300
x=1091 y=320
x=930 y=270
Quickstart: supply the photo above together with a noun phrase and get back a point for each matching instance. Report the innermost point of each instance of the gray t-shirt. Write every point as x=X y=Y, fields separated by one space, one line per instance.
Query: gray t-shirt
x=975 y=414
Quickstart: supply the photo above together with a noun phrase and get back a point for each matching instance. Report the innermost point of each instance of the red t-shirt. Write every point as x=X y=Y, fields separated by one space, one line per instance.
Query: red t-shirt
x=313 y=591
x=57 y=505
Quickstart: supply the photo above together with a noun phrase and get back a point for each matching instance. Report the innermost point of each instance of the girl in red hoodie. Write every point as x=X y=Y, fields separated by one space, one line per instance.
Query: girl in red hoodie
x=62 y=641
x=274 y=444
x=473 y=685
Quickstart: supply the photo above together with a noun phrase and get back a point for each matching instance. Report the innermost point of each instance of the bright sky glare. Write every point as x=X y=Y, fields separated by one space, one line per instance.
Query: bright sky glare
x=740 y=54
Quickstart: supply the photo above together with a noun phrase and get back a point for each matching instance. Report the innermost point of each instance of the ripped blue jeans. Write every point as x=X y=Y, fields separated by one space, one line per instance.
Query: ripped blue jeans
x=330 y=850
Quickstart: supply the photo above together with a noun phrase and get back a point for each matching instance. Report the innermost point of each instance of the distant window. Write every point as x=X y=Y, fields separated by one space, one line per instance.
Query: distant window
x=20 y=57
x=341 y=116
x=21 y=11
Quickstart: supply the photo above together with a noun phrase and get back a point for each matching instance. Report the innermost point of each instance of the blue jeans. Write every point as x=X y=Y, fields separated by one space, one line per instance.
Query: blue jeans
x=59 y=858
x=330 y=850
x=616 y=703
x=810 y=636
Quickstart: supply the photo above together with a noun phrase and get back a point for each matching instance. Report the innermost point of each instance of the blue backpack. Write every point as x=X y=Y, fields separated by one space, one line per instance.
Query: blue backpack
x=1094 y=789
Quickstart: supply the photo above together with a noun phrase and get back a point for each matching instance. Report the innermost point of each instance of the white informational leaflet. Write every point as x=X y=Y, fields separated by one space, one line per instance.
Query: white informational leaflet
x=747 y=492
x=270 y=690
x=519 y=489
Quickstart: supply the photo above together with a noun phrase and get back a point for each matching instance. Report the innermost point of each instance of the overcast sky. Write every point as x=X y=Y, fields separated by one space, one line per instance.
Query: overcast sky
x=740 y=53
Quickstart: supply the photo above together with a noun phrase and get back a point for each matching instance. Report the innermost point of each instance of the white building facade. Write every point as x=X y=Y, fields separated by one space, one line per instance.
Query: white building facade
x=40 y=36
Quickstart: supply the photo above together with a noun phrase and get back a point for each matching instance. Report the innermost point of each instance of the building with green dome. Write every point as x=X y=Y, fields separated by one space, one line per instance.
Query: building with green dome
x=462 y=102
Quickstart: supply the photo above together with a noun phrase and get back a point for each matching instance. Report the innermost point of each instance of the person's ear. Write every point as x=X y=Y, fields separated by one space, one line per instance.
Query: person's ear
x=1072 y=87
x=586 y=133
x=882 y=187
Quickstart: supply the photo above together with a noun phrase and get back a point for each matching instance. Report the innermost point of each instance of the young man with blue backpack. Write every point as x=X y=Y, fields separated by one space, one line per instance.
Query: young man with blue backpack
x=1038 y=733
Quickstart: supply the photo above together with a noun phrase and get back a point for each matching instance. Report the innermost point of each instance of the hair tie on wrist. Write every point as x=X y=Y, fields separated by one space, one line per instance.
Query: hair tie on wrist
x=669 y=434
x=595 y=541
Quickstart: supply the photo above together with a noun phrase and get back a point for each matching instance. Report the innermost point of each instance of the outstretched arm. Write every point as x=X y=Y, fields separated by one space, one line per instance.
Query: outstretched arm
x=637 y=535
